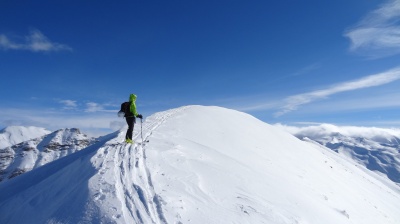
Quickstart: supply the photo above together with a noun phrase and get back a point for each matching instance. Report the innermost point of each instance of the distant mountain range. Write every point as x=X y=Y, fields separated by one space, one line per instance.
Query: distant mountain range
x=36 y=151
x=377 y=149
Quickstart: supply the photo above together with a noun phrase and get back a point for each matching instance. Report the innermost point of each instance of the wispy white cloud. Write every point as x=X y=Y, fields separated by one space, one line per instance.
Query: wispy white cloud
x=378 y=34
x=96 y=107
x=89 y=107
x=306 y=69
x=69 y=104
x=93 y=107
x=35 y=41
x=294 y=102
x=378 y=100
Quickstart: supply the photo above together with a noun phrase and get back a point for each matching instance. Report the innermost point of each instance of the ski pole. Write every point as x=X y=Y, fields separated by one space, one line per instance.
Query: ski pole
x=141 y=129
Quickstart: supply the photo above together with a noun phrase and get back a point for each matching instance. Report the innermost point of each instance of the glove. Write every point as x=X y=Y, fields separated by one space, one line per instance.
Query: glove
x=139 y=116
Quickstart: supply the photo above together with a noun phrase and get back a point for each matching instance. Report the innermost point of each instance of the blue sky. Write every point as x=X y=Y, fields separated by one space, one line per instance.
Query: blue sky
x=71 y=63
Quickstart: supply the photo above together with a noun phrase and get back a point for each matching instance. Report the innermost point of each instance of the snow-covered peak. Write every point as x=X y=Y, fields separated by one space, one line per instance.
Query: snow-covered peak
x=30 y=154
x=201 y=165
x=64 y=138
x=12 y=135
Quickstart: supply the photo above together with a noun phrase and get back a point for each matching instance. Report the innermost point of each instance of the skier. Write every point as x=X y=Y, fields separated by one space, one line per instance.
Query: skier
x=130 y=117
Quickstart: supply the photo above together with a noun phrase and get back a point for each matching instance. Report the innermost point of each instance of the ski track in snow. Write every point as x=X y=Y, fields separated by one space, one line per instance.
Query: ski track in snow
x=130 y=179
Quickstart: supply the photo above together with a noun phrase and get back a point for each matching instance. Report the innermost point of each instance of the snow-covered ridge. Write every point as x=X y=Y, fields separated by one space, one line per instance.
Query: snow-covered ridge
x=12 y=135
x=378 y=149
x=201 y=165
x=28 y=155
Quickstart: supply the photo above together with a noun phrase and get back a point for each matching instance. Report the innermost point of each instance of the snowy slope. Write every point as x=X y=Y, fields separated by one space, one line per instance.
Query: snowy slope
x=27 y=155
x=377 y=149
x=201 y=165
x=13 y=135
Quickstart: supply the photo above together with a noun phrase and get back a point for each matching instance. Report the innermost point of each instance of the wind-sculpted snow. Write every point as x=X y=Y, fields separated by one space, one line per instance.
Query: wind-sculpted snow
x=200 y=165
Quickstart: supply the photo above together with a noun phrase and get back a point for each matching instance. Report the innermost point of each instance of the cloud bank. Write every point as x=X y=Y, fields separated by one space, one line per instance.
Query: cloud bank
x=378 y=34
x=324 y=130
x=94 y=124
x=35 y=42
x=294 y=102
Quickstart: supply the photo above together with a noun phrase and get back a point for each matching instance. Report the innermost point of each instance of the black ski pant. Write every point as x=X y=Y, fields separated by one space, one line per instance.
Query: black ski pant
x=131 y=123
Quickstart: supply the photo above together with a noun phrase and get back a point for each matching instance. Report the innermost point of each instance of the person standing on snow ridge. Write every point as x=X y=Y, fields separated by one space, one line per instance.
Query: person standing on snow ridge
x=131 y=118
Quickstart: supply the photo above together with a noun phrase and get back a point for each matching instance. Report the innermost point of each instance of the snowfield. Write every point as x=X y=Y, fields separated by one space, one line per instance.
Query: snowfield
x=201 y=165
